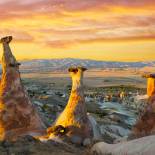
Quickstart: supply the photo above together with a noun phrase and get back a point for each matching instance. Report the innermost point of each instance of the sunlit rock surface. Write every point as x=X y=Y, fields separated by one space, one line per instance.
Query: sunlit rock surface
x=150 y=84
x=74 y=117
x=17 y=114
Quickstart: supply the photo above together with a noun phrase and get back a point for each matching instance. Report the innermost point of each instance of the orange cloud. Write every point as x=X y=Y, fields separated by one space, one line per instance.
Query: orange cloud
x=70 y=43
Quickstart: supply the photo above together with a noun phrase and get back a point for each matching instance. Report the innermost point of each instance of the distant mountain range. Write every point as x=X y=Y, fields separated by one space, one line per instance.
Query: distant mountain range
x=46 y=65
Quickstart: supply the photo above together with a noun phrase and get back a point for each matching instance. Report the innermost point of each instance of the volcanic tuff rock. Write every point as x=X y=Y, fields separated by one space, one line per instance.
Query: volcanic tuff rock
x=146 y=123
x=74 y=117
x=141 y=146
x=17 y=114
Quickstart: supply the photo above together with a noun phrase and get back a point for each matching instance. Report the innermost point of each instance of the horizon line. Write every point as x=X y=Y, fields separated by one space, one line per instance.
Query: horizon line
x=128 y=61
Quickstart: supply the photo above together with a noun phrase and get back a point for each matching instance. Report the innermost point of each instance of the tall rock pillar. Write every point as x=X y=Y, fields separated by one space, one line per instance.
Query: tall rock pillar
x=74 y=117
x=146 y=123
x=17 y=114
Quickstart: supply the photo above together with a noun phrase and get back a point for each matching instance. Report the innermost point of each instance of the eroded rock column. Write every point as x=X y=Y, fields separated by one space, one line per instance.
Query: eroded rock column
x=146 y=123
x=74 y=118
x=17 y=114
x=150 y=84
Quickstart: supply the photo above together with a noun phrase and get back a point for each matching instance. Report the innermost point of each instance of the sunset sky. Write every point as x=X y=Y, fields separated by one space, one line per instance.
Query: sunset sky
x=116 y=30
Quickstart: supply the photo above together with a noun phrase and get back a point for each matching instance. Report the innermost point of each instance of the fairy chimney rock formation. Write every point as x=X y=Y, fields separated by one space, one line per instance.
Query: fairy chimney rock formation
x=74 y=118
x=146 y=123
x=17 y=114
x=150 y=84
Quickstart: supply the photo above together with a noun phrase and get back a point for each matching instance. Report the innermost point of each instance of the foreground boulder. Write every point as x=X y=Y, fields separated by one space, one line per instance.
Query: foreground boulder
x=141 y=146
x=17 y=114
x=146 y=123
x=73 y=121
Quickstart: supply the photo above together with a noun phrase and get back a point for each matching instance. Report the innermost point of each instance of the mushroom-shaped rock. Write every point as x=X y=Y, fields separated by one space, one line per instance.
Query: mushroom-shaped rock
x=145 y=146
x=146 y=123
x=150 y=84
x=17 y=114
x=74 y=117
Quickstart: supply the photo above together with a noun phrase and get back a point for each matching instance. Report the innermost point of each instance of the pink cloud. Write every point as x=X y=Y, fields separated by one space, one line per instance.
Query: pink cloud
x=19 y=36
x=19 y=9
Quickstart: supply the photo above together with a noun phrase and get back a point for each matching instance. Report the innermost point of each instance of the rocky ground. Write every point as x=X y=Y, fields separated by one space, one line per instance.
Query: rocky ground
x=115 y=116
x=29 y=146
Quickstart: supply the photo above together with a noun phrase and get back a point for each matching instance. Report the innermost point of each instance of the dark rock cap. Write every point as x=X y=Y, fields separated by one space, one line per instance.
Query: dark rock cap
x=75 y=69
x=148 y=75
x=6 y=39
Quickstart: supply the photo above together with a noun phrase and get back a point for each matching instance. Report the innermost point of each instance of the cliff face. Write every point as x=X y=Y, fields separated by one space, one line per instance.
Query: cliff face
x=17 y=114
x=74 y=117
x=146 y=123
